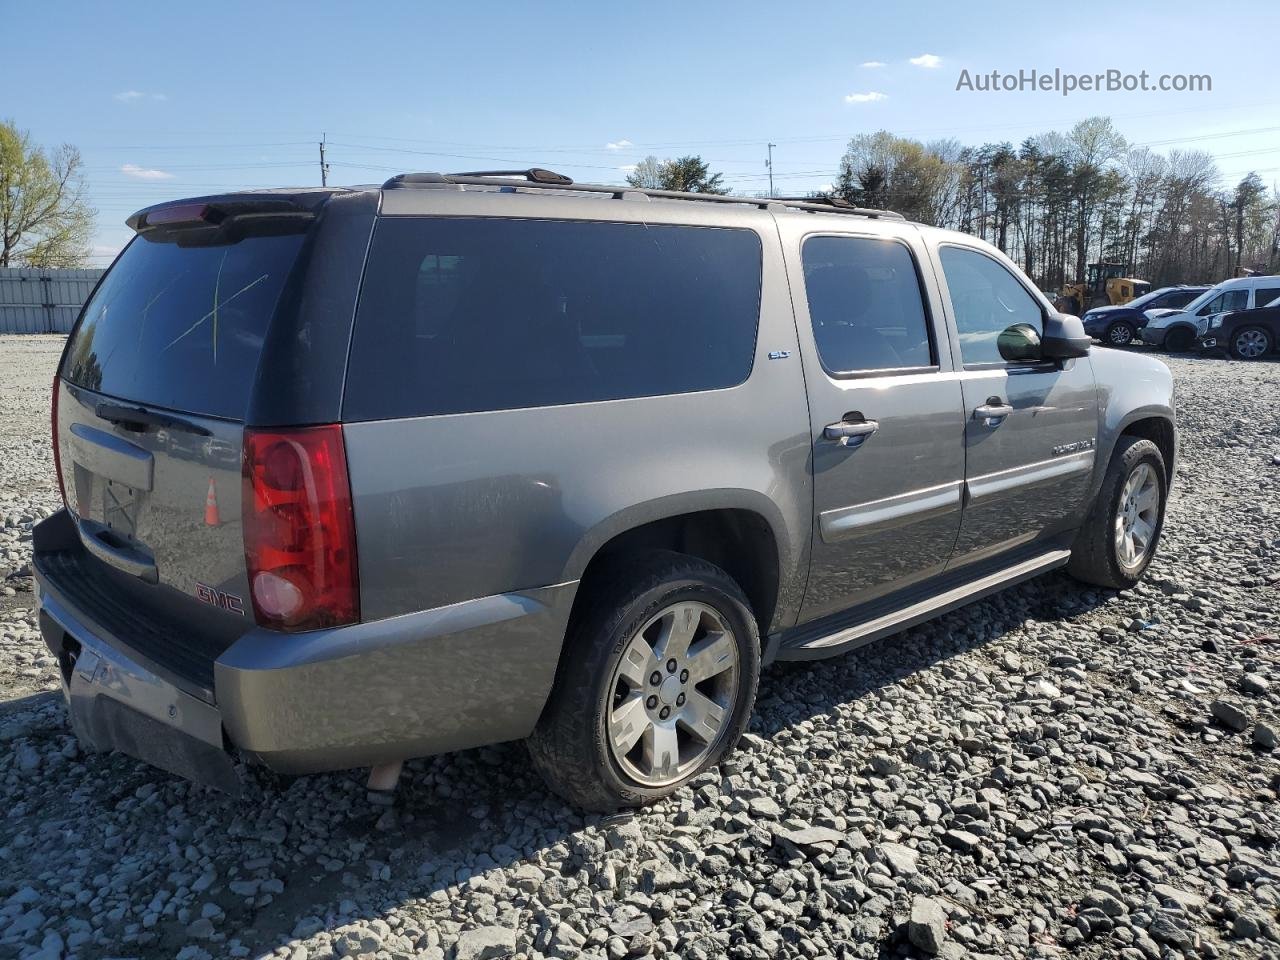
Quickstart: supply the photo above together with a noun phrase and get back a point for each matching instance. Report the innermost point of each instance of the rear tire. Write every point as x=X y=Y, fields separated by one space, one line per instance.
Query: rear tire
x=1251 y=343
x=1120 y=334
x=1122 y=530
x=609 y=737
x=1179 y=340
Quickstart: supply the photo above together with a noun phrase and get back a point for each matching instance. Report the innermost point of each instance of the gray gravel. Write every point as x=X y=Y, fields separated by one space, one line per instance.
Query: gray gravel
x=1056 y=770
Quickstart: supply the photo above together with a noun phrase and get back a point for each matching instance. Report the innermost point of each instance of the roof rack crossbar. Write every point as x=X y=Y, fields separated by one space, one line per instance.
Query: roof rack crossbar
x=538 y=178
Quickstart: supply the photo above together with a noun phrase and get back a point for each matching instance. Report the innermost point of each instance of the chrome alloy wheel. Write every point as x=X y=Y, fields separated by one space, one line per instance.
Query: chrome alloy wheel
x=1251 y=344
x=672 y=694
x=1137 y=516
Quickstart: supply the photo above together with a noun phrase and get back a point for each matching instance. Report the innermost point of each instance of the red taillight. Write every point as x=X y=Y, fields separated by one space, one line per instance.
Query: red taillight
x=299 y=529
x=57 y=454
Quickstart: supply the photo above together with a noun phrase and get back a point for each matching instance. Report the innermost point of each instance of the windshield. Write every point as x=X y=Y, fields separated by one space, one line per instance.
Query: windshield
x=182 y=326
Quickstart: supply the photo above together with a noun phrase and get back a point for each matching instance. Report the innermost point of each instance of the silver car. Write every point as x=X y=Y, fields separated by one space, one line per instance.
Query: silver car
x=359 y=475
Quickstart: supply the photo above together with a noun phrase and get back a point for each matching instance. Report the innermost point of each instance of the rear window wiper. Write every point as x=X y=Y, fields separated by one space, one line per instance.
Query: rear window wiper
x=139 y=418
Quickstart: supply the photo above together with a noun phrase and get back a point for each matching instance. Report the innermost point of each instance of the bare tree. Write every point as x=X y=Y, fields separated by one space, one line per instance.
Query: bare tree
x=648 y=174
x=45 y=219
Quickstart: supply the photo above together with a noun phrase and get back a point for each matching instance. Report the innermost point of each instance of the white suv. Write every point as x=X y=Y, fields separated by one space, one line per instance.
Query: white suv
x=1177 y=330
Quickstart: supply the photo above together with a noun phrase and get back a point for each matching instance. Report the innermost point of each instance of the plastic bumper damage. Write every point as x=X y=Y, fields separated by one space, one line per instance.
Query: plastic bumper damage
x=115 y=703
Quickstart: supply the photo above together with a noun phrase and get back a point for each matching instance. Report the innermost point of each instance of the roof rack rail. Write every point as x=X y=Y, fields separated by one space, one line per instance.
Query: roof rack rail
x=841 y=203
x=533 y=175
x=540 y=178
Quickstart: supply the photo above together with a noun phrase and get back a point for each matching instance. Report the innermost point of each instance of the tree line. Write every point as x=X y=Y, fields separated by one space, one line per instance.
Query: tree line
x=1054 y=203
x=1059 y=201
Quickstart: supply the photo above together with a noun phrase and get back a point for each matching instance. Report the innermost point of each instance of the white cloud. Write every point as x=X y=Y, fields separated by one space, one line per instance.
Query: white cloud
x=617 y=144
x=144 y=173
x=874 y=64
x=133 y=96
x=926 y=60
x=871 y=97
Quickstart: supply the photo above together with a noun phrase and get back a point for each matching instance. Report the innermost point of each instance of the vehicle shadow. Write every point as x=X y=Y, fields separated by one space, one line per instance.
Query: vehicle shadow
x=342 y=859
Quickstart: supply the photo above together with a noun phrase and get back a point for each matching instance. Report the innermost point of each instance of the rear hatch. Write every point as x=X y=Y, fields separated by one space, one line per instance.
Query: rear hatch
x=153 y=393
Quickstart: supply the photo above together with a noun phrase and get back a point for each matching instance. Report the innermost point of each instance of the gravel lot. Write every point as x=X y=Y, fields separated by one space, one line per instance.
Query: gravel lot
x=1053 y=771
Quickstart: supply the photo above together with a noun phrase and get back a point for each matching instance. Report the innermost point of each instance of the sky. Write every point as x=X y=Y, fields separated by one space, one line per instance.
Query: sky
x=173 y=100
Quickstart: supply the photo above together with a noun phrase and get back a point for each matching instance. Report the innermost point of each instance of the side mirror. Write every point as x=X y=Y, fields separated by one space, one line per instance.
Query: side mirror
x=1064 y=338
x=1019 y=343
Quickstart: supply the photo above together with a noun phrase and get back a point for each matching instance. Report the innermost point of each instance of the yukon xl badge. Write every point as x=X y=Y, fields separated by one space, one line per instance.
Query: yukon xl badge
x=219 y=599
x=1076 y=447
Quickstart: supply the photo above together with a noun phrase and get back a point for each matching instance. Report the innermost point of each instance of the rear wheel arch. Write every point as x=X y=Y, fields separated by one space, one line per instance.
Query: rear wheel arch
x=739 y=540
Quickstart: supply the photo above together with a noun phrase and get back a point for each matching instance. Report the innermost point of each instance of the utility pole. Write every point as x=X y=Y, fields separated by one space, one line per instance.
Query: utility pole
x=324 y=167
x=769 y=163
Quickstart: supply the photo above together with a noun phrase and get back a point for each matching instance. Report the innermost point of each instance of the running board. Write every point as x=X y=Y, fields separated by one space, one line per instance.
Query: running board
x=867 y=631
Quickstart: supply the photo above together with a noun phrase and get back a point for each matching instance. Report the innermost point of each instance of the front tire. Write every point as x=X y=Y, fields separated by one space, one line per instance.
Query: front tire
x=1120 y=334
x=1251 y=343
x=1123 y=527
x=610 y=735
x=1179 y=340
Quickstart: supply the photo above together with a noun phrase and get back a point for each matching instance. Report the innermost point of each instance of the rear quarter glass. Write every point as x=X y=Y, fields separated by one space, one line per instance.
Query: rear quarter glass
x=467 y=314
x=182 y=327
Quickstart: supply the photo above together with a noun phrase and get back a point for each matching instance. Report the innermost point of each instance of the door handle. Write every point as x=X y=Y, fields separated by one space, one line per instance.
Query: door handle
x=993 y=412
x=850 y=434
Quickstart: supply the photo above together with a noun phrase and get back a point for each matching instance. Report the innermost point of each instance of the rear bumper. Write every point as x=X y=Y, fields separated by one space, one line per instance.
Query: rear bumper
x=460 y=676
x=447 y=679
x=117 y=703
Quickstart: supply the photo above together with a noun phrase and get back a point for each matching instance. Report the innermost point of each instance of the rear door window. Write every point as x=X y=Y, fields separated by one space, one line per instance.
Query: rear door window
x=467 y=314
x=182 y=326
x=865 y=305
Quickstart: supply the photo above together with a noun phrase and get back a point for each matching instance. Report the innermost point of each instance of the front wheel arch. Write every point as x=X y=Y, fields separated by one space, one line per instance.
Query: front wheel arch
x=1094 y=557
x=1180 y=338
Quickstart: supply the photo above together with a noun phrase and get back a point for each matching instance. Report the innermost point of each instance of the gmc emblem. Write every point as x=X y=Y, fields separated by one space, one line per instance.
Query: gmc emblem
x=219 y=599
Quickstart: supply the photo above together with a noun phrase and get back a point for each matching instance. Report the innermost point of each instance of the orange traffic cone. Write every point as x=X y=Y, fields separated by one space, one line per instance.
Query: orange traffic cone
x=211 y=507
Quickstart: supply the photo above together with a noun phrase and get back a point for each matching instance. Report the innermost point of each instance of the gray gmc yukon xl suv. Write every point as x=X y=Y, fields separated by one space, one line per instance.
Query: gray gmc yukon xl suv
x=359 y=475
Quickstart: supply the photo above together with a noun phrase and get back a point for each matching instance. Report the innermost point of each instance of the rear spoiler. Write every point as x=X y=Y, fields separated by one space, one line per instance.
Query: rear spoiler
x=224 y=219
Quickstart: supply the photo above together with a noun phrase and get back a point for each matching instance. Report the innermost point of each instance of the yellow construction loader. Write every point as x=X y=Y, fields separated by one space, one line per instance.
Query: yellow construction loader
x=1107 y=284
